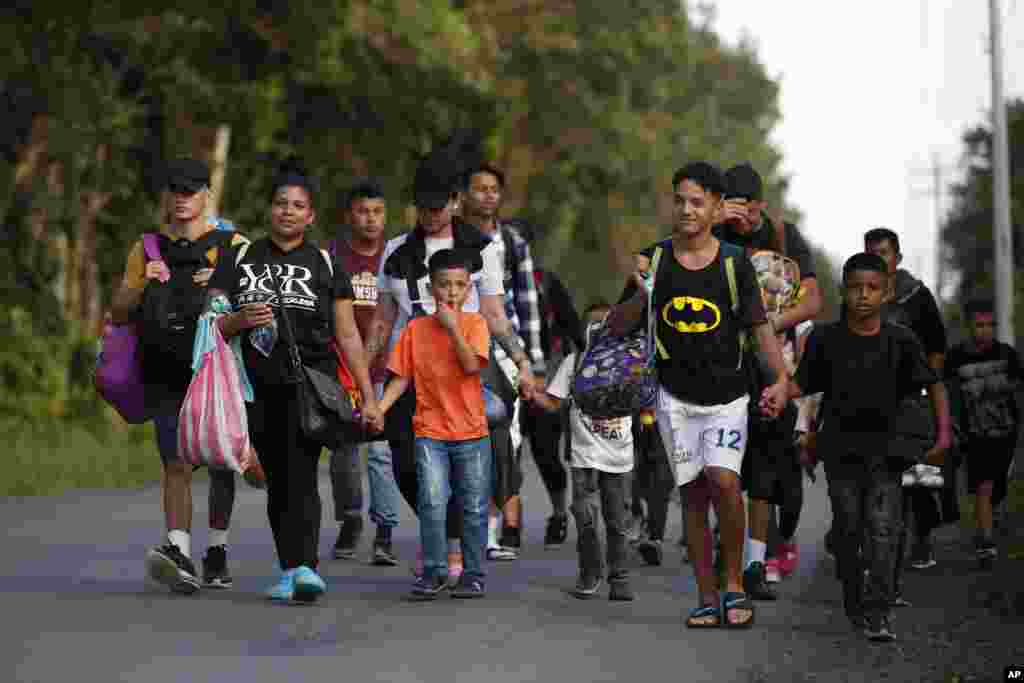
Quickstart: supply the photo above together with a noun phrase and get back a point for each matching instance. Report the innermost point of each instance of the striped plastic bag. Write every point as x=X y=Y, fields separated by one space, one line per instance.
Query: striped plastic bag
x=213 y=429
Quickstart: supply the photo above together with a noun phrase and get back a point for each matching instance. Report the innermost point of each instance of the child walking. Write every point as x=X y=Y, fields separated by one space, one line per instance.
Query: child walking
x=601 y=460
x=865 y=368
x=986 y=375
x=442 y=354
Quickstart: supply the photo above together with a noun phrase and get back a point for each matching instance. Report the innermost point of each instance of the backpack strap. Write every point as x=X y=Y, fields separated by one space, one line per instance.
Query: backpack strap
x=241 y=253
x=151 y=247
x=729 y=253
x=655 y=346
x=327 y=258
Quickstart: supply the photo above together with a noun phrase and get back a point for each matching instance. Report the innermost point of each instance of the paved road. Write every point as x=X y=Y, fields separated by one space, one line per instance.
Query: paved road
x=76 y=607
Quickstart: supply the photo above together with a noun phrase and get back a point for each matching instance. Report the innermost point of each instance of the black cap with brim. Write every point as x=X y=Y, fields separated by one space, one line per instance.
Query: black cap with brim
x=431 y=199
x=433 y=184
x=743 y=182
x=187 y=174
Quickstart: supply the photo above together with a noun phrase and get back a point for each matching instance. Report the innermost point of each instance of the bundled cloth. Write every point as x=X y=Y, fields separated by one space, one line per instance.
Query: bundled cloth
x=213 y=428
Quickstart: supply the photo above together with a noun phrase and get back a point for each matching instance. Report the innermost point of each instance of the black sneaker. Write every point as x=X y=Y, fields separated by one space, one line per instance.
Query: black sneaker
x=878 y=629
x=166 y=564
x=348 y=538
x=985 y=548
x=215 y=568
x=923 y=557
x=382 y=555
x=424 y=589
x=755 y=585
x=830 y=543
x=467 y=589
x=858 y=622
x=556 y=532
x=900 y=601
x=620 y=590
x=650 y=549
x=587 y=587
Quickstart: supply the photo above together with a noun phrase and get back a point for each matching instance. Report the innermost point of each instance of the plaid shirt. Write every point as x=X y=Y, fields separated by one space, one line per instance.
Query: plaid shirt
x=521 y=304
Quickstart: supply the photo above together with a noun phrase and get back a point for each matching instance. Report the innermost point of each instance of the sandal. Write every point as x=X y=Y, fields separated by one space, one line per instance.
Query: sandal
x=737 y=602
x=699 y=614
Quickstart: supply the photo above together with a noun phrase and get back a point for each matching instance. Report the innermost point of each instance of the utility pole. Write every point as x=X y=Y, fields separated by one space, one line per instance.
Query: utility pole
x=1001 y=231
x=937 y=187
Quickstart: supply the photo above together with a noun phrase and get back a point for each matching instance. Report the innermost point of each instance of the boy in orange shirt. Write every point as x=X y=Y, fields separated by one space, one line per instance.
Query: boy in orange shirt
x=442 y=354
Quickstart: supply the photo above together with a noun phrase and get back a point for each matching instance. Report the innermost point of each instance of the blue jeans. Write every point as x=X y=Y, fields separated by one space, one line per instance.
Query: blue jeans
x=444 y=468
x=347 y=483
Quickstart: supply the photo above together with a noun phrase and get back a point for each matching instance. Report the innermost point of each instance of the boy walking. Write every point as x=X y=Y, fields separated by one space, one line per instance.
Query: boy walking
x=987 y=375
x=442 y=354
x=601 y=460
x=866 y=369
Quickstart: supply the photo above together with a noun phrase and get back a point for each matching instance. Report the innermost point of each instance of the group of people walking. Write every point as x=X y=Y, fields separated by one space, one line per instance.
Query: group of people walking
x=461 y=350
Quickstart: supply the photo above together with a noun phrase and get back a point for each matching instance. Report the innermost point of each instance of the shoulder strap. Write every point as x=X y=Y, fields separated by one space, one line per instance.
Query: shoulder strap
x=151 y=246
x=729 y=253
x=241 y=253
x=327 y=258
x=654 y=343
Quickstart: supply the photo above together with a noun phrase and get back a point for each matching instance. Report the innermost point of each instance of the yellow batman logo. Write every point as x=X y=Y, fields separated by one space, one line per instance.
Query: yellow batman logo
x=694 y=315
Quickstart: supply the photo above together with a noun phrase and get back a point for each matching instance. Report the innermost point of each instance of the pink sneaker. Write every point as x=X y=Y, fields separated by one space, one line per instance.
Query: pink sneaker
x=455 y=567
x=789 y=558
x=771 y=571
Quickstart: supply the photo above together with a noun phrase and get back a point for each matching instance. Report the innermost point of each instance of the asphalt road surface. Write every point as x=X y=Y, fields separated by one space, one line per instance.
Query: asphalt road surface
x=76 y=607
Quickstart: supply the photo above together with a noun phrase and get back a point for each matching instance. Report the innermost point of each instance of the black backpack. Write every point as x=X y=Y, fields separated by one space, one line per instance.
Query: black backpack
x=171 y=310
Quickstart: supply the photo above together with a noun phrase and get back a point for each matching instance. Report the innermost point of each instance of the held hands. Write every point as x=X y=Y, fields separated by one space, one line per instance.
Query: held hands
x=527 y=383
x=373 y=417
x=773 y=399
x=202 y=276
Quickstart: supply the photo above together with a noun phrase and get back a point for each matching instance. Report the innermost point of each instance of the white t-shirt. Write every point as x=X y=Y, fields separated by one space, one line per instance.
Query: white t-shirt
x=605 y=445
x=488 y=281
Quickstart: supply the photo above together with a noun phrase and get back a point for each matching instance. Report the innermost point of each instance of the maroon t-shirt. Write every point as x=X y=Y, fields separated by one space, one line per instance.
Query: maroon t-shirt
x=364 y=283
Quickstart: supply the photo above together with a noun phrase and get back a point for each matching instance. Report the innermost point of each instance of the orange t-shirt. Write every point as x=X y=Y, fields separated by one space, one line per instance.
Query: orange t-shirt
x=449 y=401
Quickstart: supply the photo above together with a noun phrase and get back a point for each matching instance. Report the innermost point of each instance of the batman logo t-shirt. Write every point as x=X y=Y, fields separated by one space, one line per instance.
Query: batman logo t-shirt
x=699 y=330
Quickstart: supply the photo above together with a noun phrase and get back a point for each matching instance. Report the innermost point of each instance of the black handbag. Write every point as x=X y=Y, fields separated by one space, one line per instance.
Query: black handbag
x=326 y=412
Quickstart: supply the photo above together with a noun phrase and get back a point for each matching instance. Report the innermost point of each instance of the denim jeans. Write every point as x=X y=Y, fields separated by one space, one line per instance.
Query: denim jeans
x=459 y=469
x=867 y=502
x=347 y=483
x=600 y=493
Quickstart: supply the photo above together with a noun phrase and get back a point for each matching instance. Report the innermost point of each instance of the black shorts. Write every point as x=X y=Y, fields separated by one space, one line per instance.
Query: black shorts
x=771 y=464
x=988 y=459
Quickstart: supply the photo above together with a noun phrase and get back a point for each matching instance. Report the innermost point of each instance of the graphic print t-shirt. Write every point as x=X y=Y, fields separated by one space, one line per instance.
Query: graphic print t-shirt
x=363 y=270
x=605 y=445
x=699 y=330
x=988 y=381
x=309 y=292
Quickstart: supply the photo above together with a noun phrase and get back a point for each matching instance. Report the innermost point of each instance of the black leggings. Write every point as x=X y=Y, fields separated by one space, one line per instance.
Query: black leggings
x=402 y=440
x=544 y=430
x=290 y=462
x=653 y=478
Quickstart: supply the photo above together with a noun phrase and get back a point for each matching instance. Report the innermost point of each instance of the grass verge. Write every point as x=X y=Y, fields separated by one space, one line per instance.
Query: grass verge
x=45 y=460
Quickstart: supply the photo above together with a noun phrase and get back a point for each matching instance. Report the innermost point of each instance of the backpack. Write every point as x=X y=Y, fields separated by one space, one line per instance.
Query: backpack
x=170 y=310
x=615 y=376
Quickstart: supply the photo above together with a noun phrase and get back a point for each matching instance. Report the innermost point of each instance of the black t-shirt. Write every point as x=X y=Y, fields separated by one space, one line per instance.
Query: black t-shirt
x=915 y=307
x=699 y=330
x=864 y=378
x=986 y=383
x=764 y=238
x=309 y=292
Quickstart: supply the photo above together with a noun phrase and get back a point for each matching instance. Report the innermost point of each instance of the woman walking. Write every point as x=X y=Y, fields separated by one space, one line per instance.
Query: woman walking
x=318 y=297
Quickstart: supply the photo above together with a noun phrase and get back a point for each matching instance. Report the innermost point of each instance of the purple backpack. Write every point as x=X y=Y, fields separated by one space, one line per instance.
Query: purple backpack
x=119 y=367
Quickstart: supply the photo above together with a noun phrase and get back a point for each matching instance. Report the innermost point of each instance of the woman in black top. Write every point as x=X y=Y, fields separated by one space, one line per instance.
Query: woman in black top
x=319 y=306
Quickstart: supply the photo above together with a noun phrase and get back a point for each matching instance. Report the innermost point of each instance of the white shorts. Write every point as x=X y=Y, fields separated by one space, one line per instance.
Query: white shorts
x=697 y=436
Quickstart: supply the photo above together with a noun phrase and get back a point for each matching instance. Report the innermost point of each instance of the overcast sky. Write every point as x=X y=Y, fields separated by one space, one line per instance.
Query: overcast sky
x=870 y=91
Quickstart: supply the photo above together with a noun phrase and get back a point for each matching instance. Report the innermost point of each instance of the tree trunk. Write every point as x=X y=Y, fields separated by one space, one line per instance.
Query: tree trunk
x=219 y=167
x=83 y=303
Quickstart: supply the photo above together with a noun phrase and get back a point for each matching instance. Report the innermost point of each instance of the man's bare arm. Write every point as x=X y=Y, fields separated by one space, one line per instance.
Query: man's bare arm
x=383 y=322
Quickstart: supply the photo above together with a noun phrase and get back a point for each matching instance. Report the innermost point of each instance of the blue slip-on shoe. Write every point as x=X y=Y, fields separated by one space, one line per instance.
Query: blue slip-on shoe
x=308 y=585
x=284 y=589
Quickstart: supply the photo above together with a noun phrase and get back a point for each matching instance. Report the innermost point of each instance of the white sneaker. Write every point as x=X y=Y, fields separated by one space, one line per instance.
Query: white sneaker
x=771 y=571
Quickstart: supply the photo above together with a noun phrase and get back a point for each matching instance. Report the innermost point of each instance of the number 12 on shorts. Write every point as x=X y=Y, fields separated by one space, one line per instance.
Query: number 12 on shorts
x=729 y=438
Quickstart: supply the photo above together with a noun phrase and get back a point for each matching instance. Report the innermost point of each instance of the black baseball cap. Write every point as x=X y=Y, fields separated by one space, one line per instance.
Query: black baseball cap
x=743 y=182
x=433 y=185
x=187 y=175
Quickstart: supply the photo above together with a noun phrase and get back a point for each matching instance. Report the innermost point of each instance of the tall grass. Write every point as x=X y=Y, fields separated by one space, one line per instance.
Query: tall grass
x=49 y=458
